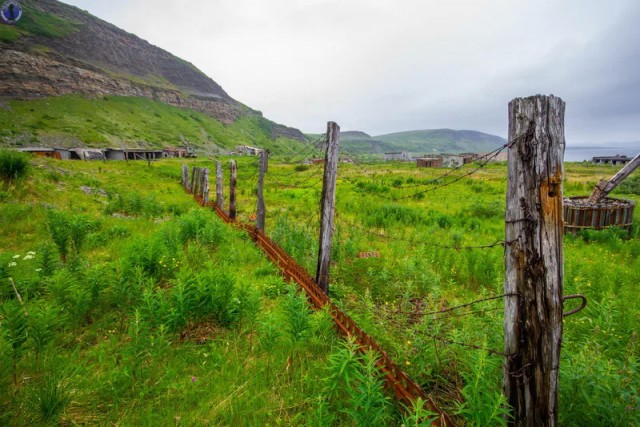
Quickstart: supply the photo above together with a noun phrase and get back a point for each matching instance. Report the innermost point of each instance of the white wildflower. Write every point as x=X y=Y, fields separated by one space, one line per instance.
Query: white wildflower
x=31 y=253
x=27 y=257
x=38 y=270
x=12 y=264
x=16 y=256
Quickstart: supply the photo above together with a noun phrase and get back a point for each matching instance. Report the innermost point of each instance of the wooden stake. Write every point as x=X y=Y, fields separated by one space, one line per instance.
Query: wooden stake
x=219 y=186
x=232 y=189
x=193 y=177
x=264 y=160
x=534 y=259
x=185 y=176
x=205 y=185
x=327 y=207
x=604 y=187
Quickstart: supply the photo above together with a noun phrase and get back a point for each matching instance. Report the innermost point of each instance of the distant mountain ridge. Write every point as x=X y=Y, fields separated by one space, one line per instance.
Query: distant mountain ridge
x=57 y=49
x=421 y=141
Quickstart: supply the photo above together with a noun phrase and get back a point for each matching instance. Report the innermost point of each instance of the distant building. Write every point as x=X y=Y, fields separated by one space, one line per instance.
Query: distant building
x=86 y=154
x=452 y=160
x=494 y=157
x=429 y=162
x=469 y=157
x=397 y=156
x=611 y=160
x=54 y=153
x=248 y=151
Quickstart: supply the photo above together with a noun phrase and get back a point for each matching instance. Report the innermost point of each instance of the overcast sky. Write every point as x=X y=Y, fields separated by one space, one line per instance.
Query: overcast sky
x=383 y=66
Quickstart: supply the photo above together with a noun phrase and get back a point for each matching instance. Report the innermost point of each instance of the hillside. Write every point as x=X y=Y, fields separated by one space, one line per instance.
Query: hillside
x=57 y=49
x=421 y=142
x=442 y=140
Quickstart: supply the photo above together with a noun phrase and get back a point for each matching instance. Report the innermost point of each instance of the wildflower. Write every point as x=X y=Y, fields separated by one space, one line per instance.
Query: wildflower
x=16 y=256
x=28 y=257
x=194 y=379
x=12 y=264
x=31 y=253
x=408 y=342
x=38 y=270
x=406 y=362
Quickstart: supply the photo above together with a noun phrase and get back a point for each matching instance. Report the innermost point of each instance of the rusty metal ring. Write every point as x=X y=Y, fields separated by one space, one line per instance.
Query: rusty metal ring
x=575 y=310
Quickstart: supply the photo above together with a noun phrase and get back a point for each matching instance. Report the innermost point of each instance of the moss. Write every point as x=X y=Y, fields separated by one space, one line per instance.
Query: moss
x=37 y=22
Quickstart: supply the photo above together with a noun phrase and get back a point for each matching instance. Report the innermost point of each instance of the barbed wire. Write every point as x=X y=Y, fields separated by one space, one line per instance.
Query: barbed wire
x=501 y=243
x=481 y=165
x=300 y=185
x=315 y=145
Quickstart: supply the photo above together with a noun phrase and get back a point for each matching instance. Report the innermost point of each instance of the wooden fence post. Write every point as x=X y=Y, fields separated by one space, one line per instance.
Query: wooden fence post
x=205 y=185
x=193 y=178
x=264 y=160
x=327 y=207
x=185 y=176
x=534 y=259
x=232 y=189
x=219 y=186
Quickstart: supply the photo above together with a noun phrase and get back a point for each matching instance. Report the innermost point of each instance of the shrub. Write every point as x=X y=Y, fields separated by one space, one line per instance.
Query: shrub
x=13 y=165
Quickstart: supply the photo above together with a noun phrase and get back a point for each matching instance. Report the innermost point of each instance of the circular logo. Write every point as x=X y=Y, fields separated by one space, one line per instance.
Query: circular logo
x=10 y=12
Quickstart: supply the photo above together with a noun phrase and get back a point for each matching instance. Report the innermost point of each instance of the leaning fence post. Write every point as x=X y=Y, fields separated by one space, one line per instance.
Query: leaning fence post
x=232 y=189
x=219 y=188
x=534 y=259
x=264 y=159
x=327 y=208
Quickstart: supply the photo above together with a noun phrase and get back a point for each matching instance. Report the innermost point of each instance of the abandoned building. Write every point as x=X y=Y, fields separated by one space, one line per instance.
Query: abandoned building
x=248 y=151
x=397 y=156
x=616 y=160
x=429 y=162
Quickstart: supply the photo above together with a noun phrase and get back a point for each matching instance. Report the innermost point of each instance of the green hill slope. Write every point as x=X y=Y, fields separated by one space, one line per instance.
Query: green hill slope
x=117 y=121
x=442 y=140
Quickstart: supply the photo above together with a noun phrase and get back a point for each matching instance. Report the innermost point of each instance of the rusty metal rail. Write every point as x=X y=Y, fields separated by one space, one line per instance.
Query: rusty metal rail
x=405 y=389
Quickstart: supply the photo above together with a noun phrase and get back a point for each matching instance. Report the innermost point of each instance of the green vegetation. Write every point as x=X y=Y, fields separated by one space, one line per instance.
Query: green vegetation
x=13 y=165
x=34 y=22
x=130 y=122
x=143 y=307
x=8 y=33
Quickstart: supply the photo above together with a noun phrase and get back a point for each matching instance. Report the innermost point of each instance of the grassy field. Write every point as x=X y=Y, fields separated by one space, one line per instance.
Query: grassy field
x=145 y=309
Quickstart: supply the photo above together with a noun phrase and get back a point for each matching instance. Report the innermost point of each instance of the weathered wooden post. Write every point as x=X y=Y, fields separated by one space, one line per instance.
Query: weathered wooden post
x=185 y=176
x=205 y=185
x=264 y=159
x=219 y=186
x=232 y=189
x=534 y=259
x=604 y=187
x=327 y=207
x=193 y=178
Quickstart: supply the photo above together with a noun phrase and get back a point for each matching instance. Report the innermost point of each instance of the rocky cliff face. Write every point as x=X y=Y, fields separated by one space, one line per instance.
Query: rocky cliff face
x=95 y=58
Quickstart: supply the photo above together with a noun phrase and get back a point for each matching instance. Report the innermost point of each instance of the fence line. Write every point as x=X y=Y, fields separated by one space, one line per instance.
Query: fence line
x=405 y=389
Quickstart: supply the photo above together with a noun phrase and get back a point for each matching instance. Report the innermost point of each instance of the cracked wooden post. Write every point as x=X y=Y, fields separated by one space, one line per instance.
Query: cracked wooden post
x=232 y=189
x=193 y=177
x=327 y=208
x=205 y=185
x=219 y=186
x=534 y=259
x=264 y=159
x=185 y=176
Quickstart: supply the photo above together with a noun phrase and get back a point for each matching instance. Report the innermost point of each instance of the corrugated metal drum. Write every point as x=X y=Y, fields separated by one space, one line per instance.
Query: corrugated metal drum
x=579 y=213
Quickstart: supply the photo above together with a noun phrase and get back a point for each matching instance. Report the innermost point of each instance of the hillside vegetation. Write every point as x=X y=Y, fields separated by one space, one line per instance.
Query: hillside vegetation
x=116 y=121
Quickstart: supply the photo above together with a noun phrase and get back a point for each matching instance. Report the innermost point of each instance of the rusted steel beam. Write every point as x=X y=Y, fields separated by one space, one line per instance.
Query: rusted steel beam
x=396 y=380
